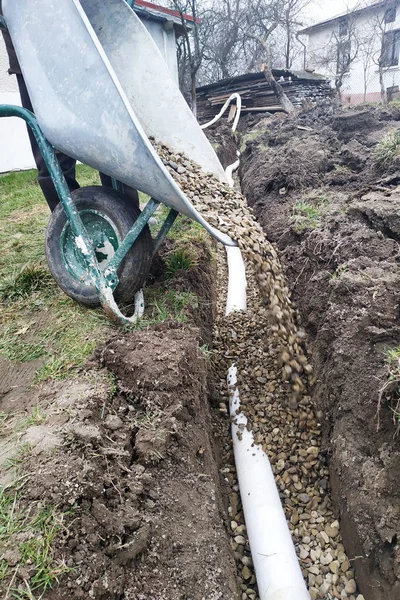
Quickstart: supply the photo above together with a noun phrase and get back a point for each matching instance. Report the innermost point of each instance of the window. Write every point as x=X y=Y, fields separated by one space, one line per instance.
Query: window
x=390 y=15
x=392 y=93
x=343 y=27
x=343 y=57
x=391 y=48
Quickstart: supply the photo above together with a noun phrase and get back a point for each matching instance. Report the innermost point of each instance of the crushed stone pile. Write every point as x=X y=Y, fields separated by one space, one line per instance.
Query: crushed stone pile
x=269 y=348
x=227 y=209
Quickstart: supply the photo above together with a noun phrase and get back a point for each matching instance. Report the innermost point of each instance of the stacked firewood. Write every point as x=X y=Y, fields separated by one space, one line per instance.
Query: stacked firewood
x=257 y=94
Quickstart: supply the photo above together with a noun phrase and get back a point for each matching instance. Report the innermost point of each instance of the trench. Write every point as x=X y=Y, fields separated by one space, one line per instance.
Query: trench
x=351 y=318
x=160 y=512
x=270 y=351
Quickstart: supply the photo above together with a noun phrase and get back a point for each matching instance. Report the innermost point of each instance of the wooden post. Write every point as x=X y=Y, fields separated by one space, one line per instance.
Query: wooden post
x=278 y=89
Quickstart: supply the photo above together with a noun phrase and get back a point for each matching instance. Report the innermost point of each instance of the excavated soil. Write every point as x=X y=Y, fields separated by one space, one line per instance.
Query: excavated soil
x=334 y=216
x=125 y=455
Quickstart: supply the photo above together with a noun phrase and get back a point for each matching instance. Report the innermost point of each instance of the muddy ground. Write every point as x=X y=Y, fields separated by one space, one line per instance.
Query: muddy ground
x=333 y=212
x=124 y=461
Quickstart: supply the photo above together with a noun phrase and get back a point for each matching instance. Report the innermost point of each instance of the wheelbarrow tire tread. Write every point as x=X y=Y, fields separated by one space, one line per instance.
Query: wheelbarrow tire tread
x=122 y=212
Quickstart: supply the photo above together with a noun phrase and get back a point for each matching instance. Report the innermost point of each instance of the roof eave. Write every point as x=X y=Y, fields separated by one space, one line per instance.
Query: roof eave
x=322 y=24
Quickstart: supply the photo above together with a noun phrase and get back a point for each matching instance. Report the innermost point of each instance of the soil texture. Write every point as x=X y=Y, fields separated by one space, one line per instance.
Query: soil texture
x=124 y=456
x=316 y=187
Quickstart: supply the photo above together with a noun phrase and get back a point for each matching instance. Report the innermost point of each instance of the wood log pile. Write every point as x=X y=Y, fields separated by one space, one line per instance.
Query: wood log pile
x=257 y=94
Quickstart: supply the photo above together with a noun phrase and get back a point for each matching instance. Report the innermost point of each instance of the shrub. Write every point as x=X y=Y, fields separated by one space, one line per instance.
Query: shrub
x=387 y=150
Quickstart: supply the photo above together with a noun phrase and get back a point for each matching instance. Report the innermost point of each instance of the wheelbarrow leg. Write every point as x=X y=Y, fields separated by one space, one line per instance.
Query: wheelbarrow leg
x=169 y=221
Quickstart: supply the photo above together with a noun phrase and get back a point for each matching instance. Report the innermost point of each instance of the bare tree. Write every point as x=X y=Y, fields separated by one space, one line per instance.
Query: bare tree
x=191 y=48
x=385 y=53
x=341 y=51
x=224 y=44
x=235 y=37
x=367 y=52
x=262 y=19
x=292 y=21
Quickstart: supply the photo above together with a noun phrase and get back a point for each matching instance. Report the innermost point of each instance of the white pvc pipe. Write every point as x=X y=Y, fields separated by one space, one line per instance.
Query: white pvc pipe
x=237 y=284
x=275 y=562
x=231 y=169
x=238 y=99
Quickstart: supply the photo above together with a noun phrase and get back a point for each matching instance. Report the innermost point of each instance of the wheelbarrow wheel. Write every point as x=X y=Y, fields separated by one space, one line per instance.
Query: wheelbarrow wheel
x=108 y=216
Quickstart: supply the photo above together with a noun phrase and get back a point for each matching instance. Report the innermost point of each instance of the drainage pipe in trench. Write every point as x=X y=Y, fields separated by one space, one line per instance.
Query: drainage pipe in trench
x=277 y=569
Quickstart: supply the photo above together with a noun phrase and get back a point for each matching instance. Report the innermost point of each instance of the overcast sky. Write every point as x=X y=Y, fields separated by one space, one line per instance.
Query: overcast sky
x=330 y=8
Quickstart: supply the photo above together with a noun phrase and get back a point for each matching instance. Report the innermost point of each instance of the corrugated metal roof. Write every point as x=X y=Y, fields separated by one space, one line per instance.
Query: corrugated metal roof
x=277 y=73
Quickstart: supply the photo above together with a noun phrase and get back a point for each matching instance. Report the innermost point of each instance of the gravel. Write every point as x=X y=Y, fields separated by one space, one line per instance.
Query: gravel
x=270 y=350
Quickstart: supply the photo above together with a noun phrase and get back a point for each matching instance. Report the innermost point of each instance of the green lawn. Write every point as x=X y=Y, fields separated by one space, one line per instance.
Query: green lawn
x=37 y=320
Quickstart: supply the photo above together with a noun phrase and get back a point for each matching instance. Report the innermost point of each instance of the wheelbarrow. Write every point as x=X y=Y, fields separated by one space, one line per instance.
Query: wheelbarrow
x=100 y=89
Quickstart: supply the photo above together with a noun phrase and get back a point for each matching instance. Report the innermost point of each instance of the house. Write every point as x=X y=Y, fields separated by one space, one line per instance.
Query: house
x=359 y=52
x=257 y=95
x=163 y=24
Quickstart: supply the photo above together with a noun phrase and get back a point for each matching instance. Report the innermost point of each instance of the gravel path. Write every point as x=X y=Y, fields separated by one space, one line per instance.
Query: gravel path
x=270 y=351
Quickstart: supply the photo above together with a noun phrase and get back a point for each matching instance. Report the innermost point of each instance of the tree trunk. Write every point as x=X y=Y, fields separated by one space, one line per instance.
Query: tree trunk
x=382 y=84
x=288 y=48
x=278 y=89
x=194 y=95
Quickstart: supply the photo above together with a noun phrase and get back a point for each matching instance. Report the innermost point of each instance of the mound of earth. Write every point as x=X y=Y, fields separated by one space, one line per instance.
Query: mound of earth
x=120 y=495
x=314 y=185
x=134 y=475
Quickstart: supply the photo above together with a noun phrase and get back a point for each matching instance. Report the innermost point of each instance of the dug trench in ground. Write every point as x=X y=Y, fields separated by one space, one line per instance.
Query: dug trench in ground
x=270 y=351
x=110 y=482
x=324 y=186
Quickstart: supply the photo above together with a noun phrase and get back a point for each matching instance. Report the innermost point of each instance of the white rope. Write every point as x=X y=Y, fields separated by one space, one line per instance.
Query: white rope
x=238 y=99
x=232 y=168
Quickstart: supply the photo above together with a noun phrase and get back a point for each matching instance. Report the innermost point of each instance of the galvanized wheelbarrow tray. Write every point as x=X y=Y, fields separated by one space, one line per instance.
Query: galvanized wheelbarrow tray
x=100 y=88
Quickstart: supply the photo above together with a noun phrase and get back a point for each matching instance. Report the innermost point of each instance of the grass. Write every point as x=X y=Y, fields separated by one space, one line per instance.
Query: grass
x=250 y=137
x=306 y=216
x=342 y=170
x=3 y=420
x=30 y=532
x=308 y=211
x=387 y=150
x=24 y=452
x=207 y=353
x=339 y=271
x=168 y=304
x=394 y=356
x=391 y=389
x=20 y=284
x=62 y=333
x=179 y=260
x=37 y=320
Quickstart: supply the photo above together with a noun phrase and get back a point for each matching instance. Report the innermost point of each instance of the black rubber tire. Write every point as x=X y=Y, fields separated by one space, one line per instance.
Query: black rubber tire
x=121 y=213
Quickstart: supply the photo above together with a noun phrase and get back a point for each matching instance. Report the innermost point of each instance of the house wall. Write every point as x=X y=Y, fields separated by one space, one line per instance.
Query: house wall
x=15 y=150
x=166 y=43
x=361 y=84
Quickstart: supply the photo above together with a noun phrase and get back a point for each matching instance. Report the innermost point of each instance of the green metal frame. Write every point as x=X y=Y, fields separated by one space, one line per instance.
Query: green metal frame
x=106 y=282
